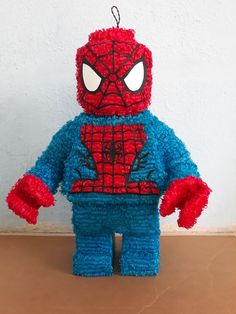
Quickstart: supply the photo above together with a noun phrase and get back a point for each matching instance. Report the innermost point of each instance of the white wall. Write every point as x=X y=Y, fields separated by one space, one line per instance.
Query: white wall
x=194 y=49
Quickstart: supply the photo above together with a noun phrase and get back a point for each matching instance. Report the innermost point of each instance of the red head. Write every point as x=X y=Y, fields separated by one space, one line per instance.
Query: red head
x=113 y=73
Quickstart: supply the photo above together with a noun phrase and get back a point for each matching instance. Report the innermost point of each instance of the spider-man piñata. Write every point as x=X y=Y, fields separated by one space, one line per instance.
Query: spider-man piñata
x=115 y=160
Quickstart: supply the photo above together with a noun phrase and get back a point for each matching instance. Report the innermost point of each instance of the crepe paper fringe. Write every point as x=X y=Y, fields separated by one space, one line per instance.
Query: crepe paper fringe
x=140 y=255
x=112 y=53
x=94 y=227
x=27 y=195
x=116 y=218
x=112 y=33
x=190 y=196
x=94 y=255
x=116 y=151
x=97 y=216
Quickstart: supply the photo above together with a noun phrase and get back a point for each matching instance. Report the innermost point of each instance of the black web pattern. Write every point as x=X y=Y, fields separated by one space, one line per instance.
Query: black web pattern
x=116 y=152
x=129 y=56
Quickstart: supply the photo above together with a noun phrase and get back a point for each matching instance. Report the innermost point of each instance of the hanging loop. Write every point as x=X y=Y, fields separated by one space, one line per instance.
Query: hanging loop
x=116 y=15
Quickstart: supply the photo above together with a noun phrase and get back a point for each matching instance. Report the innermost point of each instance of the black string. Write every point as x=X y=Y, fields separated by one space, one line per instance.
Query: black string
x=117 y=18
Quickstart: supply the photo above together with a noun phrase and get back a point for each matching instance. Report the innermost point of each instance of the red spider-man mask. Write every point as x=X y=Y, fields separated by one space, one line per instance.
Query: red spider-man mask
x=114 y=73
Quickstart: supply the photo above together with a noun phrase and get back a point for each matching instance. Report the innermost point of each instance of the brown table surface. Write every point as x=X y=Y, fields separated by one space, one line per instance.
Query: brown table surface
x=197 y=275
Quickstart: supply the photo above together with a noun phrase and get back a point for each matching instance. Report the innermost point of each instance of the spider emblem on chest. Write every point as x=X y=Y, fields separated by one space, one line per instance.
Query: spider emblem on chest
x=114 y=152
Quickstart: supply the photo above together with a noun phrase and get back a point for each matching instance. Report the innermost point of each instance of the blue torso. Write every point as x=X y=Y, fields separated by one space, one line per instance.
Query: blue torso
x=166 y=159
x=152 y=168
x=68 y=160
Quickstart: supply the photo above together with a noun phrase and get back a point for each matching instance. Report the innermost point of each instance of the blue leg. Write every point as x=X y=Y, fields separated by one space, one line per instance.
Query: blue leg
x=140 y=255
x=94 y=255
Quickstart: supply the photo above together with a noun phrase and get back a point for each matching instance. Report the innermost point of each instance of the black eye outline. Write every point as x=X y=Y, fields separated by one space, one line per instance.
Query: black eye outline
x=142 y=59
x=85 y=61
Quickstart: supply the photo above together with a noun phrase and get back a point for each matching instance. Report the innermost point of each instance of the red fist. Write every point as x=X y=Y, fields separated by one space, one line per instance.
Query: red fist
x=27 y=195
x=190 y=196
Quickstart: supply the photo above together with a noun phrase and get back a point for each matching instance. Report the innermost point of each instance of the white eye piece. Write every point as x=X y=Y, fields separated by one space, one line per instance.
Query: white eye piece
x=90 y=78
x=135 y=77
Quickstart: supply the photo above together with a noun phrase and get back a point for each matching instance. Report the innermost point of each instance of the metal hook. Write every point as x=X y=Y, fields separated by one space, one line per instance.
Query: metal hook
x=117 y=18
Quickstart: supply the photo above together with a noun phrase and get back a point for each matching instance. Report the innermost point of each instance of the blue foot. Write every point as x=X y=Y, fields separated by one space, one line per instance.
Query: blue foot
x=140 y=255
x=93 y=256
